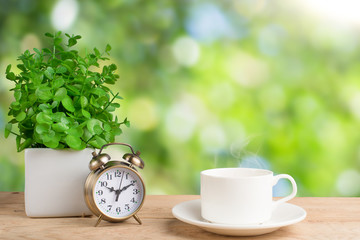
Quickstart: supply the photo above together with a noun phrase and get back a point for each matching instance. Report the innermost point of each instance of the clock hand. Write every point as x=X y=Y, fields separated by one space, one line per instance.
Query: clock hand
x=126 y=187
x=117 y=192
x=111 y=189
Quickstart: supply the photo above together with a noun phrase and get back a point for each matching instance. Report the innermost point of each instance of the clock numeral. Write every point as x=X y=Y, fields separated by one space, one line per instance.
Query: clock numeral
x=118 y=209
x=127 y=175
x=109 y=207
x=103 y=184
x=100 y=192
x=133 y=181
x=136 y=191
x=132 y=200
x=102 y=201
x=127 y=207
x=108 y=176
x=117 y=173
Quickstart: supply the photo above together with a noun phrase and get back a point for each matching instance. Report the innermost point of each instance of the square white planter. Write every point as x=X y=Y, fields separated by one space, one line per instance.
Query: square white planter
x=54 y=182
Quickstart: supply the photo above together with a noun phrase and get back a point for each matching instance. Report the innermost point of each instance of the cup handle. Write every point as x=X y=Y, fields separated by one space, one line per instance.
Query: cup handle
x=294 y=188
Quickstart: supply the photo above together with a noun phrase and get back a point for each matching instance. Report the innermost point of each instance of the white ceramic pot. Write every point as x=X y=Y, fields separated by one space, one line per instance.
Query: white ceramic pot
x=54 y=182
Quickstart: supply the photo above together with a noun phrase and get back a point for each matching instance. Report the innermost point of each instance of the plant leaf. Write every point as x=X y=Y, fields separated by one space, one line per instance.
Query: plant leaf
x=53 y=143
x=24 y=145
x=73 y=142
x=85 y=113
x=58 y=82
x=37 y=51
x=108 y=48
x=83 y=69
x=51 y=140
x=60 y=94
x=42 y=117
x=75 y=131
x=98 y=142
x=91 y=125
x=49 y=35
x=59 y=127
x=42 y=128
x=83 y=101
x=21 y=67
x=115 y=105
x=117 y=131
x=18 y=140
x=61 y=69
x=17 y=95
x=11 y=76
x=7 y=131
x=107 y=127
x=8 y=68
x=97 y=53
x=54 y=104
x=71 y=42
x=49 y=73
x=68 y=104
x=20 y=117
x=97 y=129
x=94 y=102
x=44 y=106
x=127 y=122
x=43 y=93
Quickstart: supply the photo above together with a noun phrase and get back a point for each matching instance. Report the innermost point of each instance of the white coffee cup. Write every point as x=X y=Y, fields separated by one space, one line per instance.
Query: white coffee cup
x=240 y=195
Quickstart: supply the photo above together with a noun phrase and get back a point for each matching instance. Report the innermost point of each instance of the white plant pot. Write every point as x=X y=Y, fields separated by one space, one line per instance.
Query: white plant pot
x=54 y=182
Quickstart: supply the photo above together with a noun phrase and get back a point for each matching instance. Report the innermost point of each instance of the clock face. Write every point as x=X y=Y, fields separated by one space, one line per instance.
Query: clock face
x=119 y=192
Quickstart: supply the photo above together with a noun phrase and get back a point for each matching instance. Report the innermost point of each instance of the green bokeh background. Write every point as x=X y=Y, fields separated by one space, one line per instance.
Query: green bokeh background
x=266 y=84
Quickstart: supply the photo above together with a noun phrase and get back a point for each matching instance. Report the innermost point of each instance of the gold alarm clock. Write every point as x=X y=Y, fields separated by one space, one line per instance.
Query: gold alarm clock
x=114 y=190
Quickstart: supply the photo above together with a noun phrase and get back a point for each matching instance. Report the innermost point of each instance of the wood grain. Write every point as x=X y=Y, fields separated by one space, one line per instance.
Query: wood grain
x=328 y=218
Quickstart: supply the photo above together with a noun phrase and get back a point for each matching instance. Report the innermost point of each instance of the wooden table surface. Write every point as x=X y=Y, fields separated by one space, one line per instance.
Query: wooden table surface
x=327 y=218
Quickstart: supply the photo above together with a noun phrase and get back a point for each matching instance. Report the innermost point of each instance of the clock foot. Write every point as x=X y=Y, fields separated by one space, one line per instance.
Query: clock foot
x=99 y=220
x=137 y=219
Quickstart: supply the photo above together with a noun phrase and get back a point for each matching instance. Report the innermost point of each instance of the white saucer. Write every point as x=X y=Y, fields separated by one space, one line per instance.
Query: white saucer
x=284 y=215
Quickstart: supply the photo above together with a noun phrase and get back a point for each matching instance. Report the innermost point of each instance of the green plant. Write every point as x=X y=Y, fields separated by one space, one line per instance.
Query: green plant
x=61 y=101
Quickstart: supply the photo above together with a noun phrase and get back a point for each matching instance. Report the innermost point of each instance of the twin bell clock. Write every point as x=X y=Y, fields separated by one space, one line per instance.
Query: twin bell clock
x=114 y=190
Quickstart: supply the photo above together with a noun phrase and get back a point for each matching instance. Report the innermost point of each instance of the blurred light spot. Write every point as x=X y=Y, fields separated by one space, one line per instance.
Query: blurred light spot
x=30 y=41
x=165 y=55
x=222 y=91
x=143 y=114
x=330 y=132
x=270 y=39
x=334 y=37
x=247 y=70
x=206 y=22
x=234 y=130
x=182 y=118
x=346 y=11
x=347 y=183
x=273 y=98
x=354 y=105
x=186 y=51
x=307 y=106
x=212 y=138
x=64 y=14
